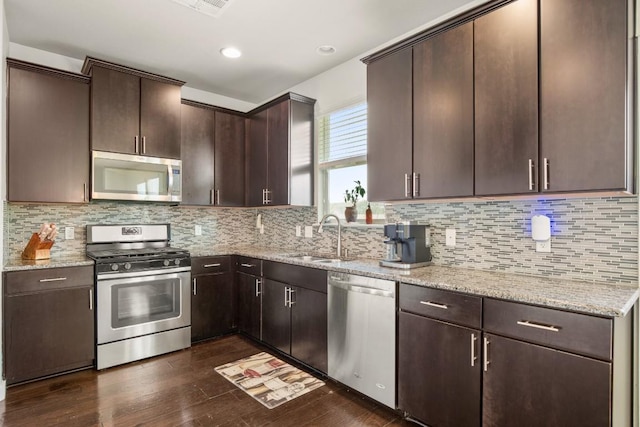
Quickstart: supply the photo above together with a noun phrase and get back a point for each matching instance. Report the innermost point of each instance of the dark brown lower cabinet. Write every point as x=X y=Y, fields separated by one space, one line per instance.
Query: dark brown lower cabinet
x=439 y=371
x=250 y=305
x=48 y=322
x=294 y=320
x=530 y=385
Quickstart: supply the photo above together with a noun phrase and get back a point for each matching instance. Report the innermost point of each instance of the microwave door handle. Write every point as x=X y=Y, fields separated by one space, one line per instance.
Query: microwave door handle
x=169 y=180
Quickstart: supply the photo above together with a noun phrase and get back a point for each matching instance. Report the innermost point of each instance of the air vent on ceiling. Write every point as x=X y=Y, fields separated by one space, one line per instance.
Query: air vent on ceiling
x=208 y=7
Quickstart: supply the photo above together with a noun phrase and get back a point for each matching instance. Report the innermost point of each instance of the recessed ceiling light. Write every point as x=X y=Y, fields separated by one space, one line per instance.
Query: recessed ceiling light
x=326 y=50
x=230 y=52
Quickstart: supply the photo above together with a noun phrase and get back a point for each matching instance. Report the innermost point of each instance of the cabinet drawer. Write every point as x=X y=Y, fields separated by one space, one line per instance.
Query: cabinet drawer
x=579 y=333
x=305 y=277
x=46 y=279
x=249 y=265
x=210 y=265
x=443 y=305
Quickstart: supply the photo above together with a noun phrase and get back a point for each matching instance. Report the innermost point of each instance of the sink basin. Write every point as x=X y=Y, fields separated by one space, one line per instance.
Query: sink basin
x=327 y=261
x=317 y=259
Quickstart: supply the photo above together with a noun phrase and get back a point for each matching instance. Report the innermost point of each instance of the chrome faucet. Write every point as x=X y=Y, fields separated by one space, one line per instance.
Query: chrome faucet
x=322 y=221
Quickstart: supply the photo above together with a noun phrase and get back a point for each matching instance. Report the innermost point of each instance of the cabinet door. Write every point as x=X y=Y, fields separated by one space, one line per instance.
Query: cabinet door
x=48 y=333
x=529 y=385
x=309 y=327
x=212 y=306
x=276 y=316
x=278 y=156
x=48 y=145
x=250 y=305
x=256 y=162
x=506 y=99
x=115 y=111
x=439 y=380
x=443 y=114
x=301 y=154
x=229 y=159
x=389 y=117
x=159 y=119
x=197 y=155
x=583 y=95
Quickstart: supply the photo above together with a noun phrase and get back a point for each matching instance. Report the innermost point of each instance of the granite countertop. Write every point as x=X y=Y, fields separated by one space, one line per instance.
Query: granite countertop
x=18 y=264
x=604 y=299
x=611 y=300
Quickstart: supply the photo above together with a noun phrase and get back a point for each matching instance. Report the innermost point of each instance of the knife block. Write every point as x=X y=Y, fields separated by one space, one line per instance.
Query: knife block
x=37 y=249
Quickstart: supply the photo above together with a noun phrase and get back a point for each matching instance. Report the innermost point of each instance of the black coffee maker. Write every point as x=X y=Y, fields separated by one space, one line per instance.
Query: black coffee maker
x=407 y=246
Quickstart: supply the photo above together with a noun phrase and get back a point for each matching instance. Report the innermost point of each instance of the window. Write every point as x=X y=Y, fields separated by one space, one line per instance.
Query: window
x=342 y=159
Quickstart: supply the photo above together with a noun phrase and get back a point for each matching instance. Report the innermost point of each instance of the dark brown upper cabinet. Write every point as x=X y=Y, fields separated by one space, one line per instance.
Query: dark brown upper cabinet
x=585 y=133
x=212 y=154
x=48 y=135
x=506 y=99
x=443 y=114
x=132 y=111
x=279 y=157
x=389 y=119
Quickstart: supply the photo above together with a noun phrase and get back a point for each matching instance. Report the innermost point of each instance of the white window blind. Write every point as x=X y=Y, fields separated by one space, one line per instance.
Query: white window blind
x=342 y=134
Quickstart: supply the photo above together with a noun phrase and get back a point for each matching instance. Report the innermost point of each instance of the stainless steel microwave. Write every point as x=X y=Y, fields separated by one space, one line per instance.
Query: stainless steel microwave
x=116 y=176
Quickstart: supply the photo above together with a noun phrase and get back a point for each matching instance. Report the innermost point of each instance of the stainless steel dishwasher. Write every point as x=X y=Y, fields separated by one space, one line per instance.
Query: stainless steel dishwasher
x=362 y=335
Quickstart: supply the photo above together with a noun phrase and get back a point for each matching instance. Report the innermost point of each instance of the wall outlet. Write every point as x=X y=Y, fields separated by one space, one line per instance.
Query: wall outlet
x=198 y=230
x=298 y=231
x=308 y=231
x=261 y=228
x=543 y=246
x=69 y=233
x=450 y=236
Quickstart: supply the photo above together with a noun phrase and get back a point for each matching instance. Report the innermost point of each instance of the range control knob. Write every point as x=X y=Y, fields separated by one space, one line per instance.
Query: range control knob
x=177 y=262
x=127 y=266
x=114 y=267
x=166 y=263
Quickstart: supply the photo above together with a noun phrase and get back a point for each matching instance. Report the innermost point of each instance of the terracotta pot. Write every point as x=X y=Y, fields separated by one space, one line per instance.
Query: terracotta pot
x=351 y=213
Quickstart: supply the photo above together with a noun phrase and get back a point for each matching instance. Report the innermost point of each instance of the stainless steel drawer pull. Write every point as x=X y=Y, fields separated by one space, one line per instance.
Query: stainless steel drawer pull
x=538 y=325
x=195 y=289
x=435 y=304
x=55 y=279
x=247 y=265
x=473 y=350
x=217 y=264
x=486 y=362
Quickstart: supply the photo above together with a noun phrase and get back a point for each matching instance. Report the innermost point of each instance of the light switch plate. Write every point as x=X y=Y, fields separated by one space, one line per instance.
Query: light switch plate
x=298 y=231
x=450 y=236
x=543 y=246
x=198 y=230
x=308 y=231
x=69 y=233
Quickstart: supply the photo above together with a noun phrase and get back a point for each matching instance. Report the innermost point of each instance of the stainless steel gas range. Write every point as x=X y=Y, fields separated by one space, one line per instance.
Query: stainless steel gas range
x=143 y=293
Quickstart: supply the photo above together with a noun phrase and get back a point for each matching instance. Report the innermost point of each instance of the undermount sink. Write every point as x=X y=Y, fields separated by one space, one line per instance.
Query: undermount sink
x=317 y=259
x=327 y=261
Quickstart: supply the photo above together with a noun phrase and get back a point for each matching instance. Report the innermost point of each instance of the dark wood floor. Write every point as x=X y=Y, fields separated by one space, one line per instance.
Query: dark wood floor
x=180 y=389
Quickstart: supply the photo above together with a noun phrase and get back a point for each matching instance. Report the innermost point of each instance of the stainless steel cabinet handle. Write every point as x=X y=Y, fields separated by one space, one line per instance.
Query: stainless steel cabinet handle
x=258 y=285
x=144 y=145
x=217 y=201
x=286 y=297
x=135 y=144
x=545 y=165
x=264 y=197
x=473 y=350
x=195 y=289
x=531 y=171
x=291 y=301
x=212 y=200
x=407 y=184
x=538 y=325
x=217 y=264
x=486 y=354
x=91 y=299
x=416 y=184
x=54 y=279
x=268 y=196
x=435 y=304
x=247 y=265
x=84 y=192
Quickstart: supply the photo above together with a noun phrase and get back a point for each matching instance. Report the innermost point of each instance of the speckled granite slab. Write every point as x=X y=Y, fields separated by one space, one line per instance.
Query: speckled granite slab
x=588 y=297
x=17 y=264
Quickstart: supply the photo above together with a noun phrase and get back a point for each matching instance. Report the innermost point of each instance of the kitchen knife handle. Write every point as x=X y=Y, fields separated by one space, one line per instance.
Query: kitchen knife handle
x=135 y=144
x=545 y=165
x=531 y=172
x=144 y=145
x=195 y=287
x=473 y=350
x=486 y=362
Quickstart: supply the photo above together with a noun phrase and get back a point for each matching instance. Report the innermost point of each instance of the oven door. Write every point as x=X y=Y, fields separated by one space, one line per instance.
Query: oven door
x=141 y=303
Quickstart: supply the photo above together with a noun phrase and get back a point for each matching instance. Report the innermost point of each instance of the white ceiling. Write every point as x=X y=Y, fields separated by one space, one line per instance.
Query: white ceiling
x=278 y=38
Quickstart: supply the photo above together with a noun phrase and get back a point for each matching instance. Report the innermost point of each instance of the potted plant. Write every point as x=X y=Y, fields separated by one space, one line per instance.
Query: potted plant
x=351 y=198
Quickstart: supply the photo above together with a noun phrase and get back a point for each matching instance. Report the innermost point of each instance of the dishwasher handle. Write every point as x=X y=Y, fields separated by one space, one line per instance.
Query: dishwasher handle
x=361 y=289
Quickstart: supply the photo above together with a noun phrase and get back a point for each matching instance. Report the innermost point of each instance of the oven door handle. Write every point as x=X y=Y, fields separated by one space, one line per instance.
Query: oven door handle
x=158 y=272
